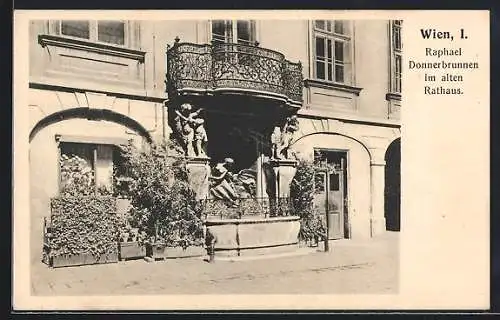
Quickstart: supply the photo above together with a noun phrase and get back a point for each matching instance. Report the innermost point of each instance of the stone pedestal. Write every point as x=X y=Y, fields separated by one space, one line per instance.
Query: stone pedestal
x=198 y=171
x=279 y=174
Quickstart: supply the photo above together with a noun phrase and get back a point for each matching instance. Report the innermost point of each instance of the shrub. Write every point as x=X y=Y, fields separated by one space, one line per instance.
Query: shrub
x=163 y=204
x=83 y=224
x=77 y=179
x=83 y=218
x=302 y=191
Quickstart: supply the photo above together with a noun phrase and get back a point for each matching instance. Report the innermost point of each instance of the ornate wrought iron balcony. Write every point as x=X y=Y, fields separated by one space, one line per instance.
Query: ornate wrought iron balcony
x=226 y=67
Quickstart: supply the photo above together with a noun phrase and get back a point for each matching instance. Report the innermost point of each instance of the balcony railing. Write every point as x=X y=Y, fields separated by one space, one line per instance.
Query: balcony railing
x=202 y=69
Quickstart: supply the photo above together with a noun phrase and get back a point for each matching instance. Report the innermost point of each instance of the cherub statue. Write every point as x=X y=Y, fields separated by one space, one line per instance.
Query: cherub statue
x=275 y=141
x=200 y=137
x=191 y=130
x=290 y=127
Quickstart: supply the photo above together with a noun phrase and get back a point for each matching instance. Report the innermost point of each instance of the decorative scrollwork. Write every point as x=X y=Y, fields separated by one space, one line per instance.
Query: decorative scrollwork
x=293 y=80
x=236 y=66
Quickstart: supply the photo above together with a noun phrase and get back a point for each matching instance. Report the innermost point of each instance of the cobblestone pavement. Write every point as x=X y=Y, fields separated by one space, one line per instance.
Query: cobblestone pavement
x=351 y=267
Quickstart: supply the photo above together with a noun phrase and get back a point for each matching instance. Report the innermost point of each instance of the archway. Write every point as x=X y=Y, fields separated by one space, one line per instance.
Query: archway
x=90 y=114
x=357 y=172
x=90 y=129
x=392 y=192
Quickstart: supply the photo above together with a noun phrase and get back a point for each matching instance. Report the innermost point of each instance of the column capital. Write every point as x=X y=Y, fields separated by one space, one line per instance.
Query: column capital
x=376 y=162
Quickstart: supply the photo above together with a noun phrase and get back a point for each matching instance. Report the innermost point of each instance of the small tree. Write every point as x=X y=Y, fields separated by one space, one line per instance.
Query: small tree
x=164 y=206
x=302 y=191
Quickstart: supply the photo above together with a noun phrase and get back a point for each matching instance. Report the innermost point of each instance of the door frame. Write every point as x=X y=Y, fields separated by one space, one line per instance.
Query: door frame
x=347 y=186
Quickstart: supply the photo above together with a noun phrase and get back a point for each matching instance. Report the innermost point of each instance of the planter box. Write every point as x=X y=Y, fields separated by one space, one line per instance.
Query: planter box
x=82 y=259
x=131 y=250
x=156 y=251
x=178 y=252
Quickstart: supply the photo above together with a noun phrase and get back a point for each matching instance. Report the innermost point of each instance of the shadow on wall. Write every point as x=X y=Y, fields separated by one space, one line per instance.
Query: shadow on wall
x=393 y=186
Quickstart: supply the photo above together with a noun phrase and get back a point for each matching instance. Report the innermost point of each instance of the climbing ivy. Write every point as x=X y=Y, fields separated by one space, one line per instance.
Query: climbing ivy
x=83 y=224
x=302 y=189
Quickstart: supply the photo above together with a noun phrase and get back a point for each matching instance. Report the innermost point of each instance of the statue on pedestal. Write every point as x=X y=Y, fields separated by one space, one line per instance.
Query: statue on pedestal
x=281 y=139
x=190 y=130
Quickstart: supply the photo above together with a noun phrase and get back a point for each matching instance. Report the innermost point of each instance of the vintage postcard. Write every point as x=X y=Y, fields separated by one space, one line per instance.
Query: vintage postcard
x=225 y=160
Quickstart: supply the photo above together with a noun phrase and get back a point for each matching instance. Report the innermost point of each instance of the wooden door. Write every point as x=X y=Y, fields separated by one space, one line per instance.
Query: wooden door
x=329 y=199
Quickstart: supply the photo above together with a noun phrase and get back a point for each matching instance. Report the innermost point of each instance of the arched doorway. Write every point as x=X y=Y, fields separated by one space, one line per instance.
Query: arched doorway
x=356 y=185
x=393 y=186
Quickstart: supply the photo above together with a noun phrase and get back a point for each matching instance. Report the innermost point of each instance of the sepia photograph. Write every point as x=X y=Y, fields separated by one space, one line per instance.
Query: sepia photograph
x=214 y=156
x=250 y=160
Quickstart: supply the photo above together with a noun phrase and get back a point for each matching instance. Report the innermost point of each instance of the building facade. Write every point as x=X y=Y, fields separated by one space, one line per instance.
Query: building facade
x=96 y=84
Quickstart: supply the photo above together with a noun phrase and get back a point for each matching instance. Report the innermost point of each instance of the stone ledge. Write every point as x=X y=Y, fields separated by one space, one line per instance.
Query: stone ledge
x=251 y=221
x=393 y=96
x=332 y=85
x=100 y=48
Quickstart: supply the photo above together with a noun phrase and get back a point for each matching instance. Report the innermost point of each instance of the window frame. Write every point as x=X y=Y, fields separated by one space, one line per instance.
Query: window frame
x=395 y=77
x=233 y=34
x=92 y=144
x=130 y=36
x=345 y=38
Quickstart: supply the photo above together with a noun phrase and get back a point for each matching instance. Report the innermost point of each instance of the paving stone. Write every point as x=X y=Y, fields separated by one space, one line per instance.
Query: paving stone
x=350 y=267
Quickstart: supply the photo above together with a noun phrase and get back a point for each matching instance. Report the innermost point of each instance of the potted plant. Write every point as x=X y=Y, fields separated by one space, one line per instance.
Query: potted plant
x=155 y=248
x=132 y=243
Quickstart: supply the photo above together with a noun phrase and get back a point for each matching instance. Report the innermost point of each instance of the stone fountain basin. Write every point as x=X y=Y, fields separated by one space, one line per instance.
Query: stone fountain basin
x=255 y=236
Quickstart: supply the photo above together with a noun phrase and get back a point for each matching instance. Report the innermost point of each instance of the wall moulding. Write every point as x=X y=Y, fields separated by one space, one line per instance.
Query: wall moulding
x=70 y=43
x=331 y=85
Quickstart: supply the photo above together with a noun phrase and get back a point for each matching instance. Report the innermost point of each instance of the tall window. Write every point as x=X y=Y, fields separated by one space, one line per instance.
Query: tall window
x=234 y=31
x=396 y=55
x=113 y=32
x=332 y=41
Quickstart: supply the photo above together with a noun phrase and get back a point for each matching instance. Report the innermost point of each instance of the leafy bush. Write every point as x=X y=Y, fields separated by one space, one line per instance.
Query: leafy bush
x=164 y=206
x=312 y=226
x=83 y=218
x=83 y=224
x=77 y=178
